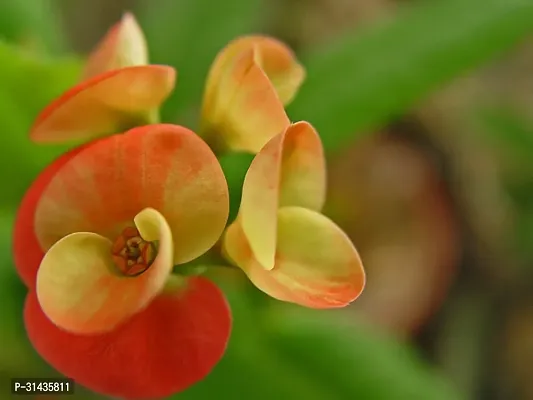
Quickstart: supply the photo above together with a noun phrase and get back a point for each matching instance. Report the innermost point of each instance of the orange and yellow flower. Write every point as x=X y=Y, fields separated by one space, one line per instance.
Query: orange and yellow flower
x=126 y=327
x=247 y=87
x=281 y=241
x=101 y=234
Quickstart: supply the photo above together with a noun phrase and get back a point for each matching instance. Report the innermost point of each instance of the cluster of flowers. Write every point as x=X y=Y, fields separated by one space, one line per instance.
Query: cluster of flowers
x=100 y=231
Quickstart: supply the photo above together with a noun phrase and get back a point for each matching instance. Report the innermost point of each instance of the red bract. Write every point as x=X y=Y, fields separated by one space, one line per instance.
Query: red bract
x=162 y=350
x=143 y=336
x=26 y=250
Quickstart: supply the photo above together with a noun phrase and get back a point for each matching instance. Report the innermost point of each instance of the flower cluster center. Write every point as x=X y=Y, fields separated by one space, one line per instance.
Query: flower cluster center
x=132 y=254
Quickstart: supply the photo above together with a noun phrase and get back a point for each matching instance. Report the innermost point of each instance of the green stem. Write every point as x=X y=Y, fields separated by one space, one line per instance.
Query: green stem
x=153 y=116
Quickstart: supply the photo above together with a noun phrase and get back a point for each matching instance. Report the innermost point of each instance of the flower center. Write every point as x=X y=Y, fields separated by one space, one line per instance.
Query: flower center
x=132 y=254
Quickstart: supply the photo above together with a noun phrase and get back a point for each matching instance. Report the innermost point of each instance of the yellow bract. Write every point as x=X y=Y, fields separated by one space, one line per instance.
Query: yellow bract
x=248 y=84
x=79 y=288
x=280 y=239
x=288 y=171
x=123 y=46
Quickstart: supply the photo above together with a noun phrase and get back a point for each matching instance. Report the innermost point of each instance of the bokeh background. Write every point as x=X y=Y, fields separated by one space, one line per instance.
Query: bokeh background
x=425 y=108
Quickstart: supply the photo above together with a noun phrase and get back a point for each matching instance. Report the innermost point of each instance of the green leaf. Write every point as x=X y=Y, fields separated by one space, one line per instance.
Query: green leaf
x=510 y=131
x=29 y=83
x=36 y=21
x=356 y=359
x=378 y=72
x=188 y=34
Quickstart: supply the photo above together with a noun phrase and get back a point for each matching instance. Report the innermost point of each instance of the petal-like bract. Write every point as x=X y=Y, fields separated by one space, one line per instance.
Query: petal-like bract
x=79 y=288
x=27 y=252
x=170 y=345
x=288 y=171
x=286 y=247
x=164 y=167
x=316 y=264
x=124 y=45
x=249 y=83
x=274 y=57
x=108 y=103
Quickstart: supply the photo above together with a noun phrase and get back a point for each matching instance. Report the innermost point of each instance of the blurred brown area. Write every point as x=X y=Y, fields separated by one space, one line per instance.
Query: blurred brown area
x=307 y=23
x=388 y=195
x=425 y=202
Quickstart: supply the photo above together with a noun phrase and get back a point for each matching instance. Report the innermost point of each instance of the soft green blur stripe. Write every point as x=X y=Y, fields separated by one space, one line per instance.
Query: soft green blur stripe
x=33 y=22
x=371 y=75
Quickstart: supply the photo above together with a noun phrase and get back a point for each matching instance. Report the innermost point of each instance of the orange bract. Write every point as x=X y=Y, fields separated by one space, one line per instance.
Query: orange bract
x=164 y=167
x=158 y=184
x=316 y=264
x=105 y=104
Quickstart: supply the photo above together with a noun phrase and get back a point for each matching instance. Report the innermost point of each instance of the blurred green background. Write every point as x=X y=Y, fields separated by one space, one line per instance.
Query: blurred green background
x=425 y=108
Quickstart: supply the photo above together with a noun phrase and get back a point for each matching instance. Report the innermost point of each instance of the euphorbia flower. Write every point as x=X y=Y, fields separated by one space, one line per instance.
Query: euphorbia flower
x=247 y=87
x=281 y=241
x=249 y=83
x=113 y=218
x=101 y=229
x=119 y=91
